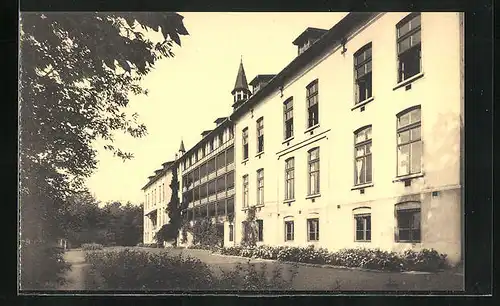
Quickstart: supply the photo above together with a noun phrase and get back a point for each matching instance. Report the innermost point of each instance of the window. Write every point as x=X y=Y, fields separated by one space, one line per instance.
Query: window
x=245 y=143
x=363 y=227
x=289 y=179
x=288 y=118
x=211 y=188
x=221 y=184
x=211 y=145
x=312 y=104
x=409 y=47
x=203 y=191
x=408 y=222
x=313 y=159
x=230 y=180
x=363 y=73
x=363 y=156
x=260 y=187
x=221 y=160
x=313 y=229
x=231 y=232
x=288 y=230
x=221 y=138
x=211 y=165
x=196 y=194
x=230 y=205
x=260 y=230
x=245 y=191
x=230 y=155
x=203 y=152
x=260 y=135
x=231 y=132
x=203 y=170
x=196 y=174
x=221 y=208
x=409 y=142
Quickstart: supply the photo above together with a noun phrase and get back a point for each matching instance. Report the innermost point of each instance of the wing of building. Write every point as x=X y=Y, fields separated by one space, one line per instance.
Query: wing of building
x=356 y=143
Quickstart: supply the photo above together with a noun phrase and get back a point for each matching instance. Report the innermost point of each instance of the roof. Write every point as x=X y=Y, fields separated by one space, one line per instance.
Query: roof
x=220 y=120
x=332 y=38
x=182 y=147
x=241 y=79
x=261 y=78
x=158 y=173
x=309 y=33
x=205 y=132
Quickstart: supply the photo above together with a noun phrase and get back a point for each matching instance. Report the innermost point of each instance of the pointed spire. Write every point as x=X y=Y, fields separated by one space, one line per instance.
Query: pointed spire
x=241 y=79
x=181 y=149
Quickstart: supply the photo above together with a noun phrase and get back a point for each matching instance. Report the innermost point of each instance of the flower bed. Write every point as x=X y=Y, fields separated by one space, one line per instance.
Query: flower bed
x=425 y=260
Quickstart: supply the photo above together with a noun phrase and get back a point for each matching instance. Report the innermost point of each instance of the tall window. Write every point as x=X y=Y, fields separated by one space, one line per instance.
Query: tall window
x=409 y=142
x=260 y=135
x=313 y=229
x=260 y=230
x=289 y=230
x=408 y=222
x=221 y=138
x=409 y=47
x=245 y=143
x=363 y=227
x=203 y=191
x=211 y=165
x=231 y=132
x=245 y=191
x=313 y=160
x=289 y=179
x=363 y=156
x=363 y=73
x=221 y=160
x=203 y=170
x=221 y=184
x=288 y=117
x=203 y=152
x=312 y=104
x=230 y=155
x=231 y=232
x=230 y=180
x=260 y=187
x=211 y=187
x=196 y=174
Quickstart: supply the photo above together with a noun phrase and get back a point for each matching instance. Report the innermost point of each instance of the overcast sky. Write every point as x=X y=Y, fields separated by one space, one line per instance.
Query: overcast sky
x=188 y=92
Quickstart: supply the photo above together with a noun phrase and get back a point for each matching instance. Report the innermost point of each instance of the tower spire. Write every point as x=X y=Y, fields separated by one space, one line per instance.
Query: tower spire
x=181 y=149
x=241 y=92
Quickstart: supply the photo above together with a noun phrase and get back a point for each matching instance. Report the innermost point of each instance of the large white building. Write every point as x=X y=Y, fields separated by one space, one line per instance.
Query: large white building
x=357 y=142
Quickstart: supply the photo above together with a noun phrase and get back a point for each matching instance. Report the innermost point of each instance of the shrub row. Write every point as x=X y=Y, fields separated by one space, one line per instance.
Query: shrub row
x=91 y=246
x=425 y=260
x=148 y=245
x=133 y=269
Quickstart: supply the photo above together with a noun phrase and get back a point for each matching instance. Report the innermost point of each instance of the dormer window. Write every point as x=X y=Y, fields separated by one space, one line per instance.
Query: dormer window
x=308 y=38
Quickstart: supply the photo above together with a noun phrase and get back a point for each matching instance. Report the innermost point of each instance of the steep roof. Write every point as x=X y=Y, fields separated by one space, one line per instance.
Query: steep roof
x=182 y=147
x=309 y=33
x=261 y=78
x=241 y=80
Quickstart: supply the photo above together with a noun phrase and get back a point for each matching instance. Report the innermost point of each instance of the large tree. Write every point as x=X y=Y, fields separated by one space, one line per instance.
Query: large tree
x=76 y=73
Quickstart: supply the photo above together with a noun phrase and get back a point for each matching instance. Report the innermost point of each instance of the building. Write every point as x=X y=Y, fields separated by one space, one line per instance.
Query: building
x=363 y=138
x=363 y=141
x=157 y=194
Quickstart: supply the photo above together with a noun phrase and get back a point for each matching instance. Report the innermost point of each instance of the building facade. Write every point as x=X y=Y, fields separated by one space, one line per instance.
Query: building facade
x=357 y=142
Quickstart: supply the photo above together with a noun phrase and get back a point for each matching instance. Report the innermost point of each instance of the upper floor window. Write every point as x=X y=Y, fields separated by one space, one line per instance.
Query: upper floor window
x=288 y=118
x=363 y=73
x=312 y=104
x=196 y=175
x=289 y=179
x=408 y=222
x=260 y=135
x=313 y=229
x=230 y=180
x=230 y=155
x=409 y=47
x=221 y=160
x=203 y=191
x=211 y=145
x=260 y=187
x=211 y=165
x=245 y=143
x=409 y=141
x=221 y=138
x=245 y=191
x=221 y=184
x=313 y=161
x=363 y=156
x=203 y=170
x=231 y=132
x=211 y=187
x=203 y=153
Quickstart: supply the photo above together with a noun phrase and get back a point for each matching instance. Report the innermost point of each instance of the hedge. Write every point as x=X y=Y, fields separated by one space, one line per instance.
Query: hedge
x=424 y=260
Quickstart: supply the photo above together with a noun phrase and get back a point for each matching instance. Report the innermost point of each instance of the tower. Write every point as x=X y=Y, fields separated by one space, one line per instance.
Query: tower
x=181 y=149
x=241 y=92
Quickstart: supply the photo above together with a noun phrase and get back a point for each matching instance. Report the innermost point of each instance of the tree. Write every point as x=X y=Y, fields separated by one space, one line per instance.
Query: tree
x=76 y=73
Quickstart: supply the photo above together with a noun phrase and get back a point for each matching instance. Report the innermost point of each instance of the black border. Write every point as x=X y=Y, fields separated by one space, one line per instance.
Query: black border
x=478 y=115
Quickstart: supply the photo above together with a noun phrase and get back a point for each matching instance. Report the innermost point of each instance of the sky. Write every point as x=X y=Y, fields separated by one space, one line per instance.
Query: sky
x=189 y=91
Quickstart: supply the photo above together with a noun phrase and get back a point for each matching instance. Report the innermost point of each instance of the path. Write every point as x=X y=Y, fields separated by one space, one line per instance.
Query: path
x=75 y=277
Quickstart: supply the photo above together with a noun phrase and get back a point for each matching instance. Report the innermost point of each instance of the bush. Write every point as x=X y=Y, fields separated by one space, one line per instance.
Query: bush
x=425 y=260
x=42 y=266
x=137 y=269
x=91 y=246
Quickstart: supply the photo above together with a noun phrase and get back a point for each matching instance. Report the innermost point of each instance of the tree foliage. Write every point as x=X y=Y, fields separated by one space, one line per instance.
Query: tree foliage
x=174 y=209
x=76 y=73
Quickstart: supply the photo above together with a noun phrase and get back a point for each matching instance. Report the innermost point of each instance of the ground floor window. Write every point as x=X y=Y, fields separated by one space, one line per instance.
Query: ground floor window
x=313 y=229
x=288 y=230
x=363 y=227
x=231 y=232
x=260 y=230
x=408 y=222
